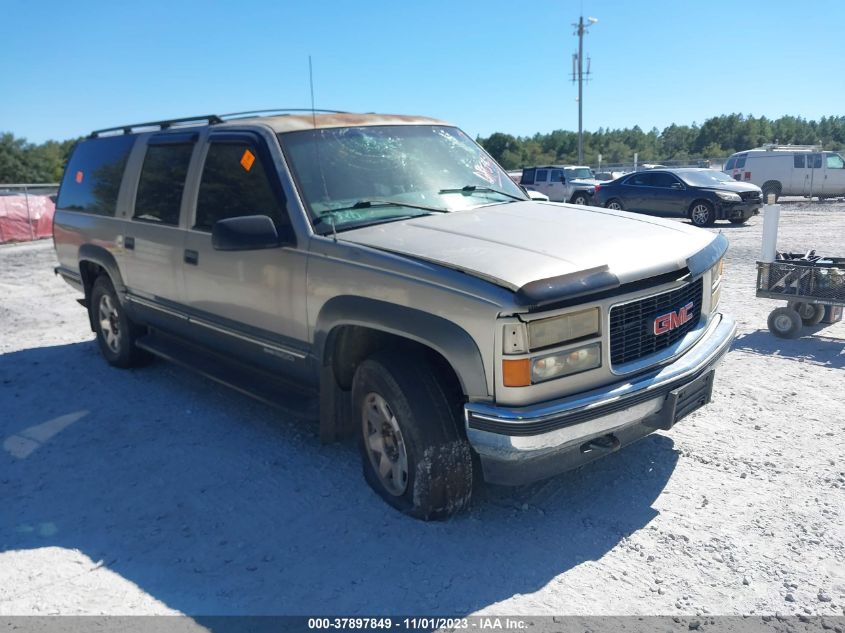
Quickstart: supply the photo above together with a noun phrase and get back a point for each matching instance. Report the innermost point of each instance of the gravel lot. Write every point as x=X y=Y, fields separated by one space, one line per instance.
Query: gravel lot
x=156 y=491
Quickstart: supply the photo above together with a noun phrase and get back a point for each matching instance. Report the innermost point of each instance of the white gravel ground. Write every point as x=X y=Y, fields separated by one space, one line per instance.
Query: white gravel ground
x=155 y=491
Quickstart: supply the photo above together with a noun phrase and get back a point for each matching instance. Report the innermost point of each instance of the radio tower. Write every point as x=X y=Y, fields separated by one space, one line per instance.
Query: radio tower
x=578 y=75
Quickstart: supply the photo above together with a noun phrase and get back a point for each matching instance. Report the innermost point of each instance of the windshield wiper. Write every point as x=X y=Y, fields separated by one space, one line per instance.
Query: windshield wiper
x=475 y=188
x=362 y=223
x=369 y=204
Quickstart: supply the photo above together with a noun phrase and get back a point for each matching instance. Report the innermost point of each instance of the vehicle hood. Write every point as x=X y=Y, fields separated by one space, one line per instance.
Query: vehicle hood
x=736 y=187
x=586 y=182
x=517 y=243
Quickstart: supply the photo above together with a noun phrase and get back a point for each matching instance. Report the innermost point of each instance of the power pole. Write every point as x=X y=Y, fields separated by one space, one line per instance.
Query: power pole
x=578 y=74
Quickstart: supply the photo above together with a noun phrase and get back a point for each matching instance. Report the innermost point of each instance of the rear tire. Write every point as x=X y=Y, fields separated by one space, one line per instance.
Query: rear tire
x=116 y=333
x=702 y=213
x=810 y=313
x=615 y=204
x=413 y=455
x=785 y=323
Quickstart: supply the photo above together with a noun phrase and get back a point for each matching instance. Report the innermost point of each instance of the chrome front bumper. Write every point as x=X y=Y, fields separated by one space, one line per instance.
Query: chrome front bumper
x=519 y=445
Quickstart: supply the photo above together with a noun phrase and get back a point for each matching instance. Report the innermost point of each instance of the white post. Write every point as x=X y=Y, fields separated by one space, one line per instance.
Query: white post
x=28 y=214
x=636 y=155
x=771 y=217
x=599 y=169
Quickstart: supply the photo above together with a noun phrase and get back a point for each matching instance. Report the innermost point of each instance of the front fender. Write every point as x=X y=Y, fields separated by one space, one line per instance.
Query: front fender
x=443 y=336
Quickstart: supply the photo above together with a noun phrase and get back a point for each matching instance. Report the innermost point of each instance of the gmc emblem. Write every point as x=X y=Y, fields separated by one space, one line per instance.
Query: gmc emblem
x=671 y=320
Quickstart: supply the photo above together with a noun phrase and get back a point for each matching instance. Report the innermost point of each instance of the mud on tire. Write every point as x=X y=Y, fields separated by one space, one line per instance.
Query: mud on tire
x=426 y=468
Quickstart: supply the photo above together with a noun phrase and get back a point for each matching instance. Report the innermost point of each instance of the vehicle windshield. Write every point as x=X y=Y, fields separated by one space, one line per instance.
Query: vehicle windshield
x=704 y=178
x=578 y=172
x=355 y=176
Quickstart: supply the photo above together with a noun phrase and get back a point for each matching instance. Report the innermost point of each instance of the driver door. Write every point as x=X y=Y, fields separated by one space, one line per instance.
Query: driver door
x=247 y=303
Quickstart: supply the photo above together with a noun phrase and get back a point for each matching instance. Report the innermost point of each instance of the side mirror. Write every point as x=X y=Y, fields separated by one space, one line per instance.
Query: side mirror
x=676 y=185
x=245 y=233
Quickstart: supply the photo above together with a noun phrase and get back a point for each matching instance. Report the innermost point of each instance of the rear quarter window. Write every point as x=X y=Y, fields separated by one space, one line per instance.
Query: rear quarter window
x=93 y=175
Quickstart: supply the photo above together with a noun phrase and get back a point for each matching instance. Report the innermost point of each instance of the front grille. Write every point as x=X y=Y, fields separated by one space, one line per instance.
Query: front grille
x=632 y=324
x=751 y=196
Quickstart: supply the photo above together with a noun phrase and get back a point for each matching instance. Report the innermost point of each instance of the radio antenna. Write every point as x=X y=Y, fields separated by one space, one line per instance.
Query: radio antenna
x=311 y=82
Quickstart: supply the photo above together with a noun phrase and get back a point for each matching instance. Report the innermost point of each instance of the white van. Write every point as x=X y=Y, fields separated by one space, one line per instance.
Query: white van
x=790 y=170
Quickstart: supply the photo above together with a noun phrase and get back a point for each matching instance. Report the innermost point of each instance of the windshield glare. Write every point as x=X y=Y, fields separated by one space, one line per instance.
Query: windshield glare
x=704 y=178
x=580 y=172
x=335 y=168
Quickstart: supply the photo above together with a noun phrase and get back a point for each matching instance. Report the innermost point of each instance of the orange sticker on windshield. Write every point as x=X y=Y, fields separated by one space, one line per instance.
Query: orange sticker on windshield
x=247 y=160
x=79 y=176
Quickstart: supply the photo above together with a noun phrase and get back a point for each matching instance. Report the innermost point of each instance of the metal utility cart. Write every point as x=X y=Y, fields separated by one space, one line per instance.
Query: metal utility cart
x=808 y=283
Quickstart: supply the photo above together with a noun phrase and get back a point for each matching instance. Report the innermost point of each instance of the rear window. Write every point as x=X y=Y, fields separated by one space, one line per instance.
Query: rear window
x=93 y=175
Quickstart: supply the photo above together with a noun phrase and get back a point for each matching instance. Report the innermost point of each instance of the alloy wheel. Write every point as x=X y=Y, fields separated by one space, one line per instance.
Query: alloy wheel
x=384 y=444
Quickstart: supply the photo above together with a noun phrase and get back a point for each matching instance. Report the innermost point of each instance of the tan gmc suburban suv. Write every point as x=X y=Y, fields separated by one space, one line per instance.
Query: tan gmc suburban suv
x=383 y=274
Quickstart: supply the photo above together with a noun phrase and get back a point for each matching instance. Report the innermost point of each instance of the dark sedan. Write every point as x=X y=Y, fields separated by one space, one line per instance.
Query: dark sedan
x=702 y=195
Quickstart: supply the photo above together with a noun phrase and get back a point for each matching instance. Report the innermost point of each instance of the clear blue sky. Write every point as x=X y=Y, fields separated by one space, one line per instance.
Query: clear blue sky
x=70 y=67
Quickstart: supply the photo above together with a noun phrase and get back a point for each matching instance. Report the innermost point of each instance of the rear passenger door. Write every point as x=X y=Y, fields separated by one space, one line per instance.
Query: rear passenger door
x=154 y=234
x=249 y=303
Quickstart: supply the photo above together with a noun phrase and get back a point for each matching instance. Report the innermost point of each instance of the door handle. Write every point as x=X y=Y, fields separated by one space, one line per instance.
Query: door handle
x=192 y=257
x=129 y=243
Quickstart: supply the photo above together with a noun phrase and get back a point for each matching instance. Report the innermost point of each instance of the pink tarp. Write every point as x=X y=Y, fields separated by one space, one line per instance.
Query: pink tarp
x=25 y=217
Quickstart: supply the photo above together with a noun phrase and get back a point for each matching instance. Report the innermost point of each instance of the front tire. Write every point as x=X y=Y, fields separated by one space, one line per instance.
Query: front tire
x=580 y=198
x=412 y=453
x=785 y=323
x=702 y=213
x=116 y=333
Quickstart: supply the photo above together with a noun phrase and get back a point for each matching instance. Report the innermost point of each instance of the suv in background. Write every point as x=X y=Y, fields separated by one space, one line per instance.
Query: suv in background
x=561 y=183
x=790 y=170
x=383 y=274
x=702 y=195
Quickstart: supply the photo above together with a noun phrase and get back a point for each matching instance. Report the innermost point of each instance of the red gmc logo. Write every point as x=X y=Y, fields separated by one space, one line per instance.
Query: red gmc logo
x=671 y=320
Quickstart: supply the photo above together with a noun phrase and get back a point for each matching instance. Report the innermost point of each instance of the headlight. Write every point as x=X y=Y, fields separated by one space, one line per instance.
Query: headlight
x=727 y=195
x=520 y=338
x=565 y=363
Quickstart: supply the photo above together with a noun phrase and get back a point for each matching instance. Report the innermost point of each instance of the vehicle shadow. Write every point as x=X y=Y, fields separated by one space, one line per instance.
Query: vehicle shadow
x=809 y=347
x=212 y=505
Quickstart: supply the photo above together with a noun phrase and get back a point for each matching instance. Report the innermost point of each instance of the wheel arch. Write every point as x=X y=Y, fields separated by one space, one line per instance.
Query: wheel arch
x=94 y=261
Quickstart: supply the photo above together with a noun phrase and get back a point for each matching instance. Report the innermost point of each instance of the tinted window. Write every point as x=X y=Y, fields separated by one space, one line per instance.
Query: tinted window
x=814 y=161
x=663 y=180
x=93 y=174
x=740 y=162
x=235 y=183
x=834 y=161
x=556 y=175
x=730 y=164
x=798 y=160
x=542 y=175
x=527 y=176
x=643 y=179
x=159 y=195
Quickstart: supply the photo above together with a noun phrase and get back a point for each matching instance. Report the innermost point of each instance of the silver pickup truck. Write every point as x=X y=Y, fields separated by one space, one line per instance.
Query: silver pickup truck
x=384 y=275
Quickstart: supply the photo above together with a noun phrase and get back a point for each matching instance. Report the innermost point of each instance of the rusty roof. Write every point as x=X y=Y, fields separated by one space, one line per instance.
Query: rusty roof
x=295 y=122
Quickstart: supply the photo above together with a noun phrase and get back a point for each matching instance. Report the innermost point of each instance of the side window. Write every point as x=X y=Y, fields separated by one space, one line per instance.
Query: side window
x=834 y=161
x=159 y=196
x=93 y=175
x=798 y=161
x=730 y=164
x=642 y=179
x=814 y=161
x=663 y=180
x=528 y=176
x=542 y=175
x=235 y=183
x=556 y=175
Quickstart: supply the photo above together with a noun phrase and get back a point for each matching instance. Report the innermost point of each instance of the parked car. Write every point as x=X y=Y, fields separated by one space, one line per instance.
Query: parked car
x=561 y=183
x=702 y=195
x=395 y=284
x=605 y=176
x=790 y=170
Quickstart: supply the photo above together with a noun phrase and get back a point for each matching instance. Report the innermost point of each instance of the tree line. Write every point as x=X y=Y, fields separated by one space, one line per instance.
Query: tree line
x=717 y=137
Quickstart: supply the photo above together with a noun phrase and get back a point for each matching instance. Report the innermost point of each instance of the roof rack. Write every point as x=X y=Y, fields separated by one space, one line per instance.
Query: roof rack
x=210 y=119
x=769 y=147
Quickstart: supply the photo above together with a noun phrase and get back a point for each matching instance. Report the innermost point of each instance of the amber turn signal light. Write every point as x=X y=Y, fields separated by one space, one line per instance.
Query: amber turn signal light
x=516 y=373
